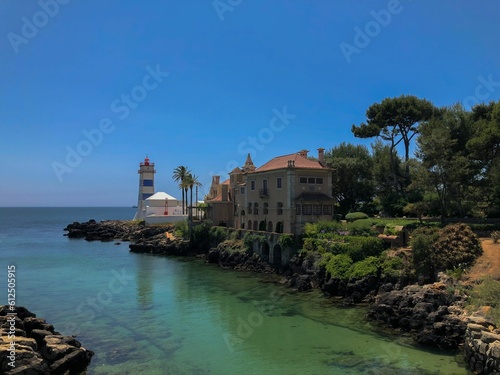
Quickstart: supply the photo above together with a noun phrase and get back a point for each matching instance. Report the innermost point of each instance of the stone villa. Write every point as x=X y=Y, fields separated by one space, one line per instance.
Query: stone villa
x=279 y=196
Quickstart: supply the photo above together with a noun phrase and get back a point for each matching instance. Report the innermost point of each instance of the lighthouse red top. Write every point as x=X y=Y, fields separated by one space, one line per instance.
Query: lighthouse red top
x=146 y=161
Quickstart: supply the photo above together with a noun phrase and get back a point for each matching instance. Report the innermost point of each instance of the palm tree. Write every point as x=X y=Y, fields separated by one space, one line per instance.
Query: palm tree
x=192 y=181
x=180 y=174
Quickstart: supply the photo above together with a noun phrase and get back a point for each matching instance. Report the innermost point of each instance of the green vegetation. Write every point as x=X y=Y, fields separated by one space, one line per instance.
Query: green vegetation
x=182 y=229
x=353 y=216
x=361 y=227
x=338 y=266
x=452 y=248
x=286 y=240
x=456 y=171
x=487 y=294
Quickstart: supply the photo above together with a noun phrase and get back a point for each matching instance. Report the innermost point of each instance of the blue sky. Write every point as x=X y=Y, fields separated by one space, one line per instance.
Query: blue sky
x=88 y=88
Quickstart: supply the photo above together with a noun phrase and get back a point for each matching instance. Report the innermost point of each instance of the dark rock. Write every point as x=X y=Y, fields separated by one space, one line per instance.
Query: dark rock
x=39 y=350
x=427 y=311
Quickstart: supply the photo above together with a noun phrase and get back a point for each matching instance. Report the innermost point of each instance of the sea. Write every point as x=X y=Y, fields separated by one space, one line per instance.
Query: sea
x=144 y=314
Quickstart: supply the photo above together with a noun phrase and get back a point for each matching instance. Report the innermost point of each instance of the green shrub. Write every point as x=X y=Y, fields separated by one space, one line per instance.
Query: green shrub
x=182 y=229
x=390 y=230
x=201 y=235
x=495 y=236
x=392 y=266
x=353 y=216
x=487 y=294
x=218 y=234
x=337 y=266
x=286 y=240
x=457 y=246
x=366 y=267
x=362 y=227
x=358 y=248
x=453 y=247
x=423 y=254
x=321 y=228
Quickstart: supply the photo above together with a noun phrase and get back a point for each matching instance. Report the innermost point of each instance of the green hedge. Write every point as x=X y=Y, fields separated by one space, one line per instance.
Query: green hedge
x=353 y=216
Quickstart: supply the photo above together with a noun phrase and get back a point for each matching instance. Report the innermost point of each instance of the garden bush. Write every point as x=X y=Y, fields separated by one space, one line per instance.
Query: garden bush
x=457 y=246
x=362 y=227
x=338 y=266
x=366 y=267
x=353 y=216
x=359 y=248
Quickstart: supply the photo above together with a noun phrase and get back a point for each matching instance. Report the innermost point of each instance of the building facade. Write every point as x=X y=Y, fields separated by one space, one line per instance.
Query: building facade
x=279 y=196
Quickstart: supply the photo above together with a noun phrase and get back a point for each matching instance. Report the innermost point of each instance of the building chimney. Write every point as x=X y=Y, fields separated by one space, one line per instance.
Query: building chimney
x=321 y=156
x=303 y=153
x=225 y=193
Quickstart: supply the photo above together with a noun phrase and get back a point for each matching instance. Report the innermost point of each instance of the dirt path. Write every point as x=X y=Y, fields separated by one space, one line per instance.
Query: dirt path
x=488 y=263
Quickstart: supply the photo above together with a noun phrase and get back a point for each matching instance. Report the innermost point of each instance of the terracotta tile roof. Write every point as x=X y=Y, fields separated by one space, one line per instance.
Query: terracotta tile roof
x=226 y=182
x=281 y=162
x=218 y=198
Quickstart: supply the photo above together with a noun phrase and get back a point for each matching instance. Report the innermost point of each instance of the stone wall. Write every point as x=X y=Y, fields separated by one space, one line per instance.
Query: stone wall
x=482 y=346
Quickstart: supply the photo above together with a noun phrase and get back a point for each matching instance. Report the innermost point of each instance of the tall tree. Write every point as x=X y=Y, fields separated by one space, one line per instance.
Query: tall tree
x=387 y=179
x=352 y=183
x=447 y=168
x=484 y=147
x=179 y=176
x=396 y=120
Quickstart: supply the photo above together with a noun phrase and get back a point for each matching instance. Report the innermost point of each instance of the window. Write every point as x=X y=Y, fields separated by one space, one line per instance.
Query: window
x=256 y=208
x=250 y=208
x=319 y=180
x=303 y=180
x=327 y=209
x=280 y=208
x=311 y=180
x=266 y=208
x=306 y=209
x=279 y=183
x=297 y=209
x=317 y=209
x=252 y=185
x=242 y=190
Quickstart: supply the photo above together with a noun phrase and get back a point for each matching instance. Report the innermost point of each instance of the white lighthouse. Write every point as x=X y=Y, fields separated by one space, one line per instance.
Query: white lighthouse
x=146 y=186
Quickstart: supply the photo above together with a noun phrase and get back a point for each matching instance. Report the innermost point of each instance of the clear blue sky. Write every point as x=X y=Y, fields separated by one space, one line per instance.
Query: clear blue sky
x=223 y=71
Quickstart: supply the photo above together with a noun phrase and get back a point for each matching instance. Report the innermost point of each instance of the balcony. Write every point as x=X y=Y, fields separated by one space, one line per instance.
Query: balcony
x=263 y=193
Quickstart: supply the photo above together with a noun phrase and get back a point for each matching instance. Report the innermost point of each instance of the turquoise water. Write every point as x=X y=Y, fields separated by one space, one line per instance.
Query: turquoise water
x=153 y=315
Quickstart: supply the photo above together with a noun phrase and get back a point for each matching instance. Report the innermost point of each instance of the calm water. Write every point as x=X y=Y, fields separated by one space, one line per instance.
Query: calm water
x=153 y=315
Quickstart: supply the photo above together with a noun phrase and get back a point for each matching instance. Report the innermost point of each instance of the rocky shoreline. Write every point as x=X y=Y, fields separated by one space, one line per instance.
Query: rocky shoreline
x=434 y=313
x=30 y=345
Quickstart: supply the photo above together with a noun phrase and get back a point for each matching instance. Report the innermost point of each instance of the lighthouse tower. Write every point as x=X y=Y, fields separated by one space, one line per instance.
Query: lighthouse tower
x=146 y=186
